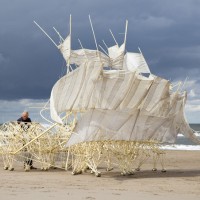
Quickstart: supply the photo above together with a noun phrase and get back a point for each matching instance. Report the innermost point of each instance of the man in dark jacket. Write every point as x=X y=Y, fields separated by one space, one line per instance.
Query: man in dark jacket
x=25 y=118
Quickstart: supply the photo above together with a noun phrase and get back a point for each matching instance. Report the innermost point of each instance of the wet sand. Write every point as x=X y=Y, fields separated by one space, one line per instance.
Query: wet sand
x=181 y=181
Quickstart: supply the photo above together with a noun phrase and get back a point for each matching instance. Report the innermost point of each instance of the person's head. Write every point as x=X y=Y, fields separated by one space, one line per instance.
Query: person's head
x=25 y=115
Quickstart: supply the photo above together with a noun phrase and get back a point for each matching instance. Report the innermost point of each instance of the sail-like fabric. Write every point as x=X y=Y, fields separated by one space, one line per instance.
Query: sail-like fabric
x=81 y=55
x=115 y=51
x=140 y=125
x=97 y=125
x=116 y=55
x=135 y=62
x=65 y=47
x=120 y=103
x=87 y=87
x=72 y=92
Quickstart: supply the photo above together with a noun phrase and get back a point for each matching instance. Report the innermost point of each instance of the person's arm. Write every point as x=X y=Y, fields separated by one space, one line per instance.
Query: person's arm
x=19 y=120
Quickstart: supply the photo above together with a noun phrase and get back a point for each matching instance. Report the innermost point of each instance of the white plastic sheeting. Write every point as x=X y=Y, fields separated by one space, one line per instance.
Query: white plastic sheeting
x=118 y=104
x=135 y=62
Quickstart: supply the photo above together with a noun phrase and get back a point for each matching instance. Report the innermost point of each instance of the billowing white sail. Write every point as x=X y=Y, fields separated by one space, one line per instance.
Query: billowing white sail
x=135 y=62
x=65 y=47
x=117 y=104
x=116 y=55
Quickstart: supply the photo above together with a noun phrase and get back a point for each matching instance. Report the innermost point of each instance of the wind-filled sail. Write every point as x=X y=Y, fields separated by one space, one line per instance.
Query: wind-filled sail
x=116 y=55
x=118 y=103
x=65 y=47
x=135 y=62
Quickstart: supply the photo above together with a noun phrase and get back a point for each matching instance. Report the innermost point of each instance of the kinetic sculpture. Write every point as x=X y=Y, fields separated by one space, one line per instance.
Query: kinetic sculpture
x=117 y=111
x=125 y=111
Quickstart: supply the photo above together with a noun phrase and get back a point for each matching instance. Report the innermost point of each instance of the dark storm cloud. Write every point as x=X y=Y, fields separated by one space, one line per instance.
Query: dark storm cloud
x=168 y=33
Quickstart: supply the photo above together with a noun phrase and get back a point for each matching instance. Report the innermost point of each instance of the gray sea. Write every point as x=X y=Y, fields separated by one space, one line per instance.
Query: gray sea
x=183 y=143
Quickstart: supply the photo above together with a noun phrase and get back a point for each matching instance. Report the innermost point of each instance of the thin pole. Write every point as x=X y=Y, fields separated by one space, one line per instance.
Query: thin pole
x=45 y=33
x=66 y=164
x=105 y=44
x=186 y=79
x=93 y=33
x=113 y=37
x=67 y=69
x=142 y=55
x=126 y=28
x=71 y=68
x=70 y=30
x=58 y=33
x=41 y=111
x=46 y=103
x=70 y=35
x=103 y=50
x=144 y=59
x=139 y=50
x=37 y=137
x=80 y=43
x=83 y=48
x=179 y=85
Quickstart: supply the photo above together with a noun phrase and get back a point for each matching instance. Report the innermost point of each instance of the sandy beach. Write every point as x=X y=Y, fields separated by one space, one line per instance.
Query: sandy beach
x=181 y=181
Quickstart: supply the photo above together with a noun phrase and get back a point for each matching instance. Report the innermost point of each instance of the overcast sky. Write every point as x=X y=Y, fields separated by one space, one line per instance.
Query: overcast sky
x=168 y=33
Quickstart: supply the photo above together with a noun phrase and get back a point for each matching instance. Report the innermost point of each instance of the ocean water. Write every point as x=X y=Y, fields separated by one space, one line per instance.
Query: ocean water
x=183 y=143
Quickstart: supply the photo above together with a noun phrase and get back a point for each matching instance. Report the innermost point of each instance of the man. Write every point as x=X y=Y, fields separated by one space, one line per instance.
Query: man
x=25 y=118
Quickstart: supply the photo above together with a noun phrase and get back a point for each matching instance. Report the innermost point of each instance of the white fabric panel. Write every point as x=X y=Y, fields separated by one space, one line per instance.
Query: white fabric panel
x=53 y=111
x=65 y=47
x=116 y=55
x=115 y=51
x=135 y=62
x=81 y=55
x=73 y=91
x=98 y=125
x=139 y=94
x=86 y=55
x=92 y=72
x=117 y=104
x=158 y=91
x=86 y=88
x=181 y=122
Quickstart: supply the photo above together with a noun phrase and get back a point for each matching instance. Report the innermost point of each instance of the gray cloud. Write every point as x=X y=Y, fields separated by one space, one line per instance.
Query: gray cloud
x=166 y=31
x=11 y=110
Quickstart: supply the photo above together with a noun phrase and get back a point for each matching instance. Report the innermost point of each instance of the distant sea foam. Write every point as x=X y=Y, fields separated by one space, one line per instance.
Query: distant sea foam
x=181 y=147
x=182 y=143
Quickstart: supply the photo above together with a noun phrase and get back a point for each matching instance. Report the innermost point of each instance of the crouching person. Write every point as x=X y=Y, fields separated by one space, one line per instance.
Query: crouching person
x=24 y=120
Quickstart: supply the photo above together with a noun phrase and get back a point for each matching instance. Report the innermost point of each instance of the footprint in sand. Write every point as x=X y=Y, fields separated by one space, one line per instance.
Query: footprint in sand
x=90 y=198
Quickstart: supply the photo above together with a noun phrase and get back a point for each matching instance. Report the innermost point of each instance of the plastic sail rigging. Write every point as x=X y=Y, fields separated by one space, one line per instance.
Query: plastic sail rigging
x=117 y=104
x=118 y=111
